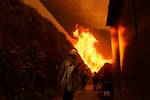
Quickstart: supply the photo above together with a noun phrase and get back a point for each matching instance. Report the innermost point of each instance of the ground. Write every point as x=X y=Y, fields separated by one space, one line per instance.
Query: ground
x=86 y=94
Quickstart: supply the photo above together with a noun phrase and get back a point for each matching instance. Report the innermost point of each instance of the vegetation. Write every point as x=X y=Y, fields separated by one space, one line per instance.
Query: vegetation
x=30 y=50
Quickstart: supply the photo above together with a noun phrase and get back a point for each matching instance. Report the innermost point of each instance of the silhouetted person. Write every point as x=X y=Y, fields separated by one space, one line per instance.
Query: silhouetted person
x=108 y=76
x=68 y=73
x=107 y=79
x=95 y=81
x=84 y=77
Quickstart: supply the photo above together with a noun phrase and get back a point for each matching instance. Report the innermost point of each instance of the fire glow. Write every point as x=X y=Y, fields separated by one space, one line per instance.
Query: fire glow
x=122 y=44
x=85 y=45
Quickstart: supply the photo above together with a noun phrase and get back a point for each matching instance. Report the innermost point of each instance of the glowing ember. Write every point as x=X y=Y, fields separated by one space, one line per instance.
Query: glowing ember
x=85 y=46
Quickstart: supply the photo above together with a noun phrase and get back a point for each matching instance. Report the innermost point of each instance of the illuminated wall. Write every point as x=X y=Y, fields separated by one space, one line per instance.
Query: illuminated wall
x=131 y=50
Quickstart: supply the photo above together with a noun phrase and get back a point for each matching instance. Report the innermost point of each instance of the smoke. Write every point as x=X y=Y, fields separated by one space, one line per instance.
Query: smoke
x=91 y=12
x=94 y=12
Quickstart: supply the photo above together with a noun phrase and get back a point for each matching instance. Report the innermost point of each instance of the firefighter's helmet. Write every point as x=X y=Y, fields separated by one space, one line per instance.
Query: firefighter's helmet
x=73 y=52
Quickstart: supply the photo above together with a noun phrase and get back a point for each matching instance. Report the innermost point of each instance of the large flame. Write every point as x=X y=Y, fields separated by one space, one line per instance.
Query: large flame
x=85 y=46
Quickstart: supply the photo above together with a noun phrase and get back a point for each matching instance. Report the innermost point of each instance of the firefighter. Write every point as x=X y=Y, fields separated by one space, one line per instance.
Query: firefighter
x=95 y=81
x=69 y=76
x=107 y=80
x=84 y=78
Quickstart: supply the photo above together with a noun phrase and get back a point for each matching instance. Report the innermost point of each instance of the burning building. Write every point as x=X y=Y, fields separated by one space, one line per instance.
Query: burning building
x=84 y=43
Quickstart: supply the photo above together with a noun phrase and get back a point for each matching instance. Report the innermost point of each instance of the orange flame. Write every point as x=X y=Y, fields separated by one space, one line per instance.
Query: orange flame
x=85 y=46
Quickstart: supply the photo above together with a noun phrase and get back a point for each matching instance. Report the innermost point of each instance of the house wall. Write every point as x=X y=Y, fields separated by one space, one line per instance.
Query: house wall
x=132 y=55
